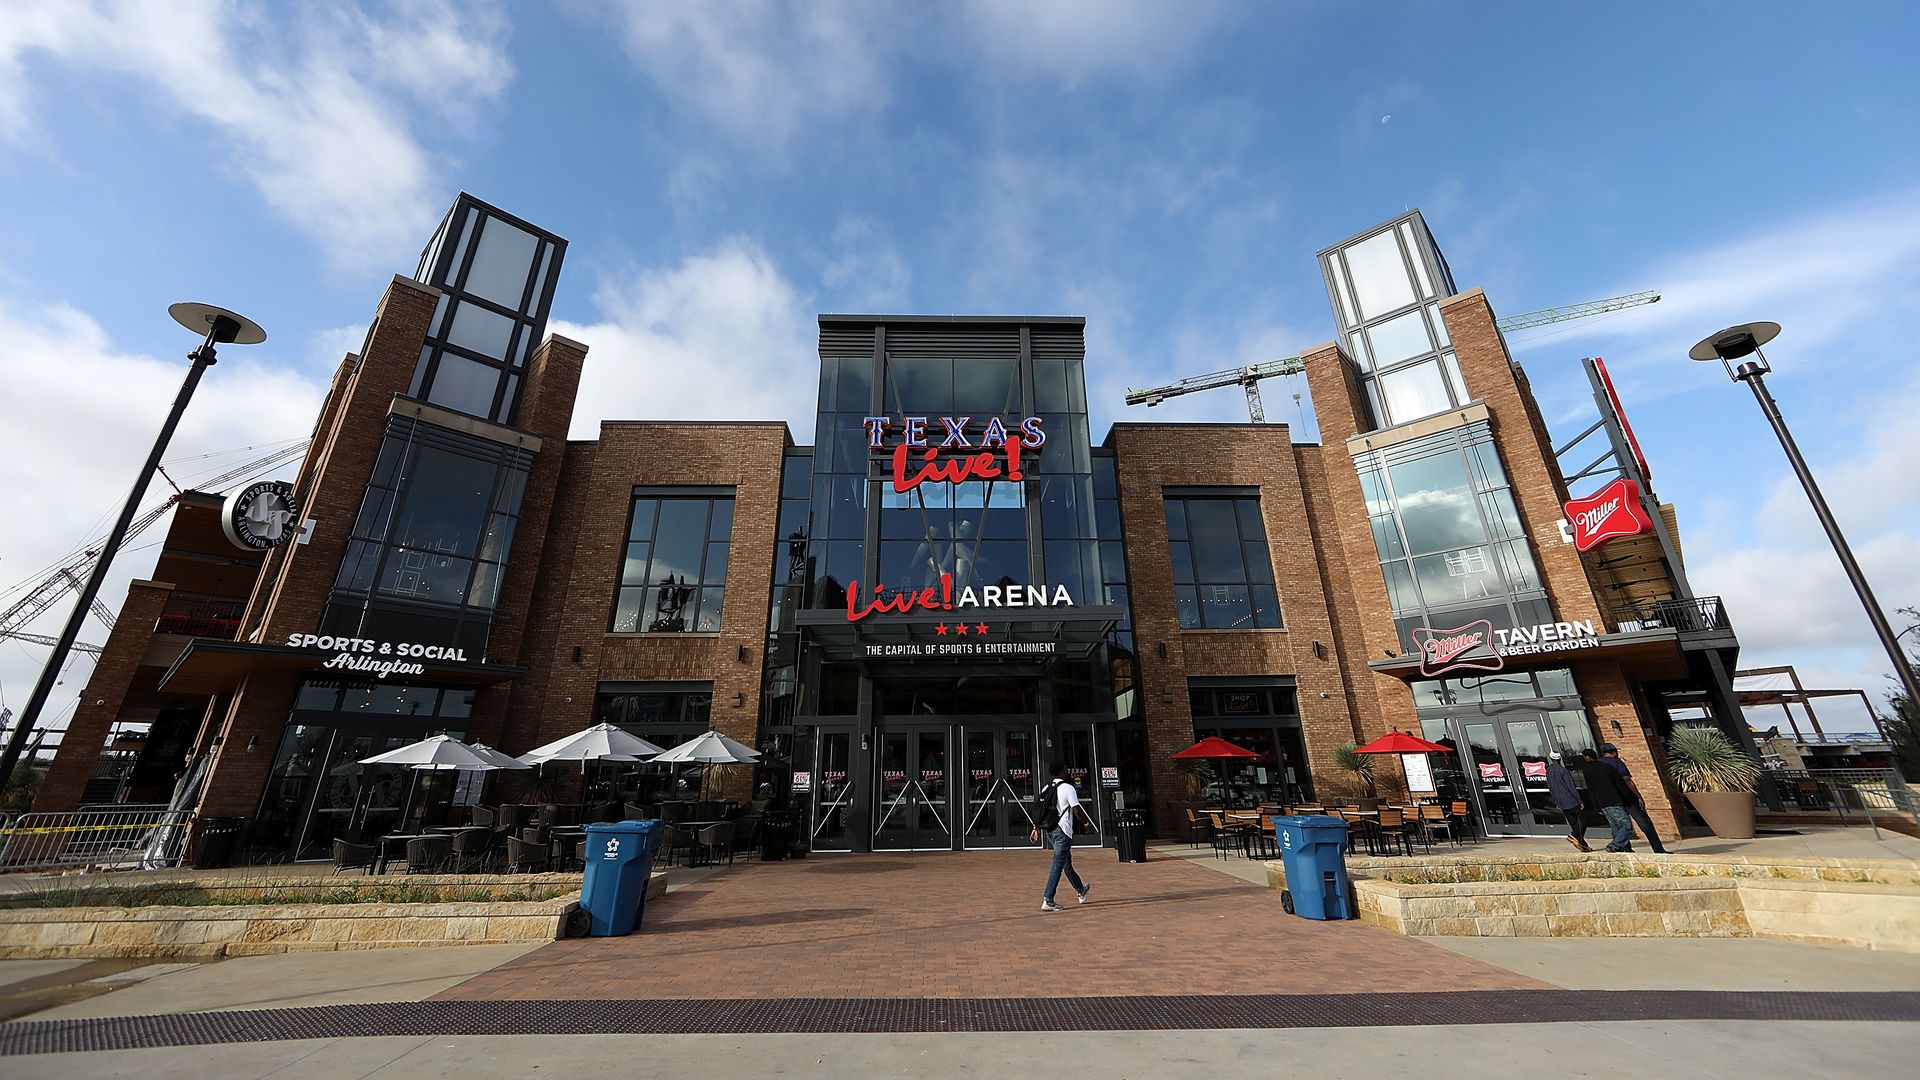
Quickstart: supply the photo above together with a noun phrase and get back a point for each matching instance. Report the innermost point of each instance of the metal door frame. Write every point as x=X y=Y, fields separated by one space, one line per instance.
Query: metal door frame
x=1457 y=725
x=818 y=781
x=997 y=728
x=913 y=730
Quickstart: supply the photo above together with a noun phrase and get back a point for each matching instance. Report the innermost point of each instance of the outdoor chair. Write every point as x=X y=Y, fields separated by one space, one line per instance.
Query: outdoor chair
x=348 y=855
x=483 y=815
x=1223 y=836
x=677 y=838
x=1392 y=832
x=471 y=847
x=746 y=835
x=547 y=814
x=604 y=812
x=676 y=811
x=637 y=812
x=522 y=855
x=426 y=854
x=536 y=834
x=1459 y=812
x=511 y=817
x=714 y=837
x=1435 y=819
x=1198 y=829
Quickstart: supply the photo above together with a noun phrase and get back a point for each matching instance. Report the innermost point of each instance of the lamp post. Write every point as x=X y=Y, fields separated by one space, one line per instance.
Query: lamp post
x=1736 y=342
x=220 y=327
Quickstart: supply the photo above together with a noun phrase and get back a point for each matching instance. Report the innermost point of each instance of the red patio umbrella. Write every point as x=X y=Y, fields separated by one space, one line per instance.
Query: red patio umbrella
x=1399 y=742
x=1215 y=748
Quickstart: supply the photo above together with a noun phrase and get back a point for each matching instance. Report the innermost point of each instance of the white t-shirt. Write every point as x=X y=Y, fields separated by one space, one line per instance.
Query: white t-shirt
x=1065 y=798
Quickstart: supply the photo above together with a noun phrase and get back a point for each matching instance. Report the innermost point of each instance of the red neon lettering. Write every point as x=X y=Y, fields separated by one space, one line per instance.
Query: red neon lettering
x=901 y=602
x=953 y=470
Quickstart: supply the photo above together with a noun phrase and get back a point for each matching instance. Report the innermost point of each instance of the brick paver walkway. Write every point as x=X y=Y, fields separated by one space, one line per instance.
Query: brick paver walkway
x=966 y=925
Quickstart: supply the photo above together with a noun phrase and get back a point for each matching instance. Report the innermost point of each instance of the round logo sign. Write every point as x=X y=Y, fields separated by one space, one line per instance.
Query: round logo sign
x=260 y=516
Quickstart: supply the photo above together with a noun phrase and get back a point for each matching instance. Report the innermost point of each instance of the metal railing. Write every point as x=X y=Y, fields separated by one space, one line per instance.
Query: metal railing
x=114 y=838
x=1700 y=615
x=1859 y=792
x=200 y=618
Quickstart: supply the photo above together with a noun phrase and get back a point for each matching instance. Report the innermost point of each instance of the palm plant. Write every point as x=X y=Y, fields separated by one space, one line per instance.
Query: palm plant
x=1360 y=765
x=1701 y=759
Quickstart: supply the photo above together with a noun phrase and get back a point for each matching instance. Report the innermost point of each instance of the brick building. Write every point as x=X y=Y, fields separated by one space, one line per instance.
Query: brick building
x=954 y=586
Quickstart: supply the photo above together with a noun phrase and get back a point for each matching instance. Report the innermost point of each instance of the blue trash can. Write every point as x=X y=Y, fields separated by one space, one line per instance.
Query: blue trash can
x=1314 y=850
x=613 y=887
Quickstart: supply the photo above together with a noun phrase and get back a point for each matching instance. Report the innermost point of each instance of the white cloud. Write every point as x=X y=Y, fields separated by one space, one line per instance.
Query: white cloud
x=1077 y=41
x=314 y=111
x=863 y=270
x=71 y=388
x=721 y=336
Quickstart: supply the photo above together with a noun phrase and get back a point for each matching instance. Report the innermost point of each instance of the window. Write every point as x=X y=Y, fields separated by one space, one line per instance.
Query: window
x=673 y=578
x=1222 y=573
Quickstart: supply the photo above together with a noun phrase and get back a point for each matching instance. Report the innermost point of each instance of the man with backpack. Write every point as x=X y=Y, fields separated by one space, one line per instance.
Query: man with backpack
x=1053 y=819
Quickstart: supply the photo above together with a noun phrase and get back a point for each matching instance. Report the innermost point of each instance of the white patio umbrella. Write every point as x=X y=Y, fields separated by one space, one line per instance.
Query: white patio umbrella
x=709 y=748
x=437 y=752
x=601 y=742
x=500 y=760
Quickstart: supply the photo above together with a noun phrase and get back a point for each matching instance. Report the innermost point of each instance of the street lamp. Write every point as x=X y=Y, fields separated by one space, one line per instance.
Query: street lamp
x=1736 y=342
x=220 y=327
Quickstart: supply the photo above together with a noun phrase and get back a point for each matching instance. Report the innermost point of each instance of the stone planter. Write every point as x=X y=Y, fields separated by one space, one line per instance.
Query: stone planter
x=1728 y=813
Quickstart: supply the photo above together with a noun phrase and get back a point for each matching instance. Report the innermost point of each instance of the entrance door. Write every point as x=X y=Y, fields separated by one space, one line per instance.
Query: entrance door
x=832 y=790
x=910 y=803
x=1000 y=786
x=1507 y=767
x=1080 y=753
x=354 y=801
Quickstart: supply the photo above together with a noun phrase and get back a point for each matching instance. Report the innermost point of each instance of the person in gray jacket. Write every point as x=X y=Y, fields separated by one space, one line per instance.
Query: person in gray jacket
x=1566 y=796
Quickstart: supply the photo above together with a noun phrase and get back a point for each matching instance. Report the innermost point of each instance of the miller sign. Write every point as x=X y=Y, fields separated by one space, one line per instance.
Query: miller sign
x=1608 y=514
x=1442 y=650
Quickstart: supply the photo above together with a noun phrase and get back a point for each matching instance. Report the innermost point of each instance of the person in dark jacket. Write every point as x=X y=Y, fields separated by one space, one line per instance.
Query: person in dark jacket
x=1636 y=806
x=1566 y=796
x=1606 y=790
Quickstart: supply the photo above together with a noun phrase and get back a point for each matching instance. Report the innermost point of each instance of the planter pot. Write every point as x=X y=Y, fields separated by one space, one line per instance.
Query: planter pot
x=1728 y=813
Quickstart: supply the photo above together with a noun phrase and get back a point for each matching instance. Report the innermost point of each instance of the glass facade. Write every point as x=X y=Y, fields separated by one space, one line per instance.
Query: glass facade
x=496 y=276
x=1448 y=534
x=1258 y=715
x=1385 y=286
x=673 y=574
x=1222 y=573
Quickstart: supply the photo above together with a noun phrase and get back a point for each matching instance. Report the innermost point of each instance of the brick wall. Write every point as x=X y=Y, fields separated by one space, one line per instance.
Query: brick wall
x=100 y=702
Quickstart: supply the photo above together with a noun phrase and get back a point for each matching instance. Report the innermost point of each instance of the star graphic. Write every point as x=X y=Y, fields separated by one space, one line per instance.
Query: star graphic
x=940 y=630
x=962 y=628
x=980 y=627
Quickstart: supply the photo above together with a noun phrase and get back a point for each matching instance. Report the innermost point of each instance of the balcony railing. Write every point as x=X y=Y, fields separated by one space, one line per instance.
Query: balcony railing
x=1700 y=615
x=200 y=618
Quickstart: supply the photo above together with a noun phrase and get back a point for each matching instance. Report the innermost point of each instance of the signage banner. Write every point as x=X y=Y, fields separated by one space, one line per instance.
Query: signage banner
x=1477 y=646
x=377 y=658
x=1533 y=770
x=260 y=516
x=1493 y=771
x=802 y=782
x=1109 y=776
x=944 y=650
x=1613 y=512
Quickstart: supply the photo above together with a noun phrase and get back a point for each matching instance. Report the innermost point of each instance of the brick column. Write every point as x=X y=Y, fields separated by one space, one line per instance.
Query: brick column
x=80 y=747
x=1616 y=719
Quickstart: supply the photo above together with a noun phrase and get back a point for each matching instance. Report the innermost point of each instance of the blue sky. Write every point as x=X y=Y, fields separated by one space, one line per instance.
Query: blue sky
x=724 y=171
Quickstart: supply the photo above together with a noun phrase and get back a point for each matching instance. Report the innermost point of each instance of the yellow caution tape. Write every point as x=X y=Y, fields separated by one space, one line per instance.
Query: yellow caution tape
x=89 y=828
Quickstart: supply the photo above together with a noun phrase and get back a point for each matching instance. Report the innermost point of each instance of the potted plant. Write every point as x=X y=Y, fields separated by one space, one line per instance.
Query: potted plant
x=1718 y=779
x=1360 y=765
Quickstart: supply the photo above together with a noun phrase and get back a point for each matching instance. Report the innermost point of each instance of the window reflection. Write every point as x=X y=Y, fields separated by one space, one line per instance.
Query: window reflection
x=673 y=574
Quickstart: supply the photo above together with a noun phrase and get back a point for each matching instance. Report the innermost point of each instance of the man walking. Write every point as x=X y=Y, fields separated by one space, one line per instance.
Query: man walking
x=1607 y=791
x=1054 y=820
x=1636 y=807
x=1566 y=796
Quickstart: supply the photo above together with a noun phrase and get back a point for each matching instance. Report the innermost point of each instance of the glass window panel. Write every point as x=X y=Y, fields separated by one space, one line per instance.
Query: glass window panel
x=512 y=486
x=796 y=477
x=1266 y=606
x=720 y=525
x=992 y=562
x=1357 y=346
x=362 y=562
x=1106 y=513
x=1380 y=281
x=626 y=610
x=446 y=503
x=708 y=619
x=486 y=584
x=854 y=390
x=1062 y=560
x=678 y=539
x=1247 y=512
x=984 y=388
x=456 y=703
x=829 y=372
x=503 y=412
x=1259 y=567
x=793 y=519
x=1458 y=577
x=464 y=385
x=1414 y=392
x=372 y=522
x=426 y=576
x=1374 y=488
x=1340 y=291
x=1503 y=518
x=500 y=264
x=1517 y=561
x=1106 y=480
x=1436 y=503
x=1066 y=508
x=483 y=331
x=1176 y=520
x=1182 y=557
x=1113 y=562
x=919 y=386
x=1400 y=591
x=1188 y=602
x=906 y=565
x=1419 y=264
x=1225 y=607
x=633 y=570
x=1215 y=539
x=643 y=516
x=715 y=571
x=1050 y=387
x=439 y=314
x=1557 y=682
x=497 y=540
x=1451 y=365
x=1399 y=338
x=1386 y=538
x=1487 y=471
x=1439 y=324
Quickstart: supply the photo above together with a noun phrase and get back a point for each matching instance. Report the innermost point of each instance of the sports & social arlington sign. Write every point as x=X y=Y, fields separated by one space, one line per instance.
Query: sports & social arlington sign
x=377 y=658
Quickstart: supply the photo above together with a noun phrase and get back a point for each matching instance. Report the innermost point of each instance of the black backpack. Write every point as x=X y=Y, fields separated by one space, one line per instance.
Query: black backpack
x=1046 y=808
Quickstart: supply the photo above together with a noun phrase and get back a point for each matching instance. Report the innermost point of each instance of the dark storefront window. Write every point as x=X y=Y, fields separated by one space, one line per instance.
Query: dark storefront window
x=674 y=574
x=664 y=713
x=1257 y=716
x=1222 y=573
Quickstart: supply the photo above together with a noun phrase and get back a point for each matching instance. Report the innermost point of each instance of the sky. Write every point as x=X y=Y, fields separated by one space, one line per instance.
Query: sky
x=725 y=171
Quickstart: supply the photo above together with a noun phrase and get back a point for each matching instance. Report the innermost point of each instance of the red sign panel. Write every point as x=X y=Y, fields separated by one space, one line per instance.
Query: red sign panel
x=1608 y=514
x=1533 y=770
x=1491 y=771
x=1443 y=650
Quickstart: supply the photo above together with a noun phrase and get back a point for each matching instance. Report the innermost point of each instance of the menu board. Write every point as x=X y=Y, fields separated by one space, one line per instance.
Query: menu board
x=1419 y=772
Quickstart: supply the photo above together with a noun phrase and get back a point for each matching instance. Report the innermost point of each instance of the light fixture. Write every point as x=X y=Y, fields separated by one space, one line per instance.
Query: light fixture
x=576 y=654
x=1738 y=342
x=219 y=327
x=739 y=699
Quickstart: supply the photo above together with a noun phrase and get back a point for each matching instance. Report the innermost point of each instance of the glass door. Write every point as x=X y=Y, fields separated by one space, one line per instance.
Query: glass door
x=910 y=812
x=1507 y=768
x=832 y=791
x=1080 y=753
x=999 y=786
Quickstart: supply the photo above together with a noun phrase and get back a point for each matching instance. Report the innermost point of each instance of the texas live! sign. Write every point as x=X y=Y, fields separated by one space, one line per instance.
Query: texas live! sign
x=948 y=450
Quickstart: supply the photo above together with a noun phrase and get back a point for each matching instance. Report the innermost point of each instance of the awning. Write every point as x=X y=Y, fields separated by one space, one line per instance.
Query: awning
x=1012 y=633
x=209 y=666
x=1645 y=654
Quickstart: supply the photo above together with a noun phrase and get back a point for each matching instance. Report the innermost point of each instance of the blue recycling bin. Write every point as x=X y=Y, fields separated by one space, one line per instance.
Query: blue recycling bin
x=1314 y=850
x=613 y=887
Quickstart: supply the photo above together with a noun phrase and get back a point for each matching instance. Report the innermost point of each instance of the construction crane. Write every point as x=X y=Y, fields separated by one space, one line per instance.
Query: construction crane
x=42 y=639
x=73 y=571
x=1249 y=377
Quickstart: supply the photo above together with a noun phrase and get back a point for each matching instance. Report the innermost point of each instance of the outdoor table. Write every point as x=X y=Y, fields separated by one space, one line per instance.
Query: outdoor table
x=562 y=840
x=387 y=844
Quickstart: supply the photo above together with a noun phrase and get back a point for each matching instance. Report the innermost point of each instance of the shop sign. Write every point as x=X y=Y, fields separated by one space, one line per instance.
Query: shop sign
x=1613 y=512
x=957 y=650
x=956 y=457
x=1477 y=646
x=942 y=598
x=260 y=516
x=1492 y=772
x=1533 y=770
x=802 y=782
x=1109 y=776
x=378 y=658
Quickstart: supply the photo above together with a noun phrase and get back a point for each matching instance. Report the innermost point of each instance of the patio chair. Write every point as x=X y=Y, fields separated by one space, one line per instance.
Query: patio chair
x=1435 y=819
x=677 y=838
x=637 y=812
x=1198 y=828
x=1391 y=831
x=483 y=815
x=522 y=855
x=746 y=835
x=1460 y=813
x=471 y=846
x=714 y=837
x=547 y=814
x=675 y=811
x=511 y=817
x=426 y=854
x=348 y=855
x=606 y=811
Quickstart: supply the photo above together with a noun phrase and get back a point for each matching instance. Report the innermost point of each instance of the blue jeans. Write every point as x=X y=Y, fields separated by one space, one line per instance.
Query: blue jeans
x=1621 y=823
x=1063 y=863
